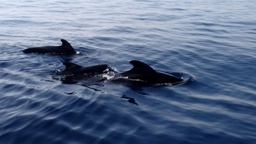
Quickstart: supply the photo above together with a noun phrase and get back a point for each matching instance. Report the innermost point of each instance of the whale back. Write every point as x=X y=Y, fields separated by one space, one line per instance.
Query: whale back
x=77 y=70
x=64 y=49
x=140 y=70
x=145 y=73
x=67 y=46
x=140 y=67
x=70 y=68
x=70 y=65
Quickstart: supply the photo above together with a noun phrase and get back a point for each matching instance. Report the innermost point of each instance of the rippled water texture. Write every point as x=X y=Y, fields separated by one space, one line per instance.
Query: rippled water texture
x=212 y=40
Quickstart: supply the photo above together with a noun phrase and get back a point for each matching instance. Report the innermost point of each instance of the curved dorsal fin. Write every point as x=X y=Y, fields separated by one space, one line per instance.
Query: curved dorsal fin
x=70 y=65
x=141 y=67
x=66 y=44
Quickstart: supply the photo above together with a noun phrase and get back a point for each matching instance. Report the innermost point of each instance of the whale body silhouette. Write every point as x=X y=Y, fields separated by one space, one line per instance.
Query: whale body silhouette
x=146 y=74
x=77 y=70
x=64 y=49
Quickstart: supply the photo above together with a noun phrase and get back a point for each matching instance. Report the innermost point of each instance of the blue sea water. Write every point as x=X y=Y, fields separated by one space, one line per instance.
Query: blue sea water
x=214 y=40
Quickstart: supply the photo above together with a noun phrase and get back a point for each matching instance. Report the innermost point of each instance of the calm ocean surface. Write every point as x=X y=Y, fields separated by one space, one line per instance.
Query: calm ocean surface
x=214 y=40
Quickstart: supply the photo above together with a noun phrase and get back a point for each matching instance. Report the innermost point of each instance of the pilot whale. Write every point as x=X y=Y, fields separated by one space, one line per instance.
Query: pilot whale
x=64 y=49
x=75 y=70
x=142 y=72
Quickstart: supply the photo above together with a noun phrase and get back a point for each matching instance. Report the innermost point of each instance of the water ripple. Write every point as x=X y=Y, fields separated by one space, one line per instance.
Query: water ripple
x=214 y=41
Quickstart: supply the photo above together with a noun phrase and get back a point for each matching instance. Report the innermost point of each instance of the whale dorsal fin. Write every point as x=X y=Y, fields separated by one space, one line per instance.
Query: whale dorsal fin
x=66 y=44
x=70 y=65
x=139 y=66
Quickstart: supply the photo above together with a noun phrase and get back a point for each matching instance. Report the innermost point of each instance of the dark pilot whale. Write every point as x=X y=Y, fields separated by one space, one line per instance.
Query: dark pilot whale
x=142 y=72
x=64 y=49
x=75 y=70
